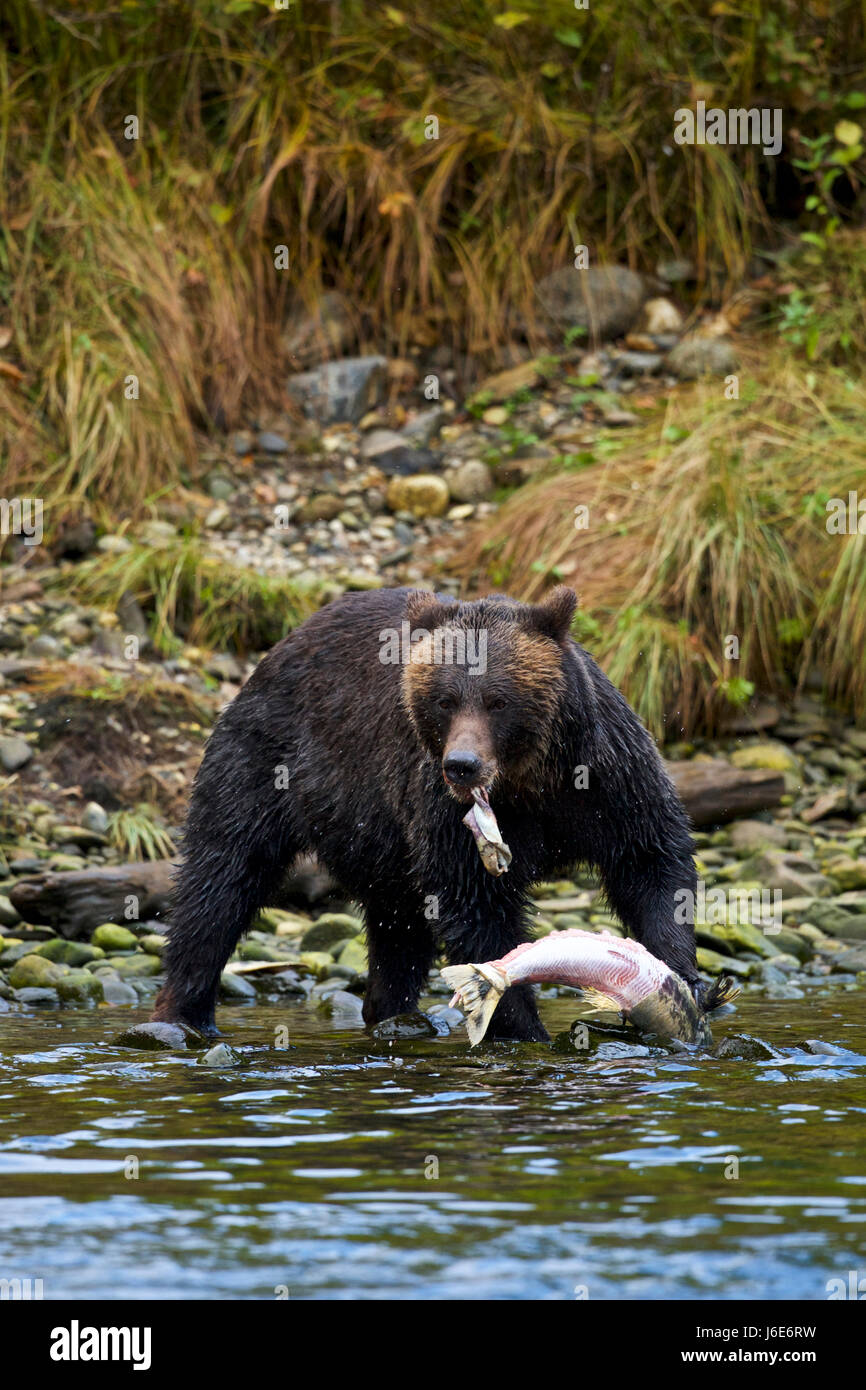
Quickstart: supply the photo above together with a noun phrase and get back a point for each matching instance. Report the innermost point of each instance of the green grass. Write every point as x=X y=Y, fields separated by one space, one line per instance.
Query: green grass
x=186 y=591
x=138 y=834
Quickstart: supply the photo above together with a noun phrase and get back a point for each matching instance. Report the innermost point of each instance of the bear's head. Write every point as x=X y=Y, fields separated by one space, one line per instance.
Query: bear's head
x=483 y=685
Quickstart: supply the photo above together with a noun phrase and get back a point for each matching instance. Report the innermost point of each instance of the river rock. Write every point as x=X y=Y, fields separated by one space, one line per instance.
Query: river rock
x=36 y=972
x=80 y=987
x=847 y=874
x=790 y=873
x=38 y=998
x=752 y=835
x=696 y=356
x=341 y=390
x=605 y=300
x=116 y=991
x=328 y=929
x=425 y=425
x=236 y=987
x=423 y=495
x=774 y=756
x=661 y=316
x=15 y=752
x=159 y=1037
x=405 y=1026
x=72 y=953
x=95 y=818
x=354 y=956
x=9 y=915
x=271 y=443
x=220 y=1055
x=111 y=937
x=471 y=481
x=342 y=1006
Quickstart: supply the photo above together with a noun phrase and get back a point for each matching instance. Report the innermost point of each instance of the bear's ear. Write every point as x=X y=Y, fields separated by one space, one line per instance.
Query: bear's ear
x=552 y=617
x=424 y=610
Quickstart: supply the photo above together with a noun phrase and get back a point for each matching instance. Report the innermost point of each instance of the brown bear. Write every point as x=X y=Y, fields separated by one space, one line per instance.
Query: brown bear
x=362 y=736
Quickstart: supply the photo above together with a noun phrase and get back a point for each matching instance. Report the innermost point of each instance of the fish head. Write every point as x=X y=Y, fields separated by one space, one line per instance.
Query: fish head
x=482 y=686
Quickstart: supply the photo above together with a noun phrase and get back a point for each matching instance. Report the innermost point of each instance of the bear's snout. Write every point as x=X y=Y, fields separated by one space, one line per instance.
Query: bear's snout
x=462 y=767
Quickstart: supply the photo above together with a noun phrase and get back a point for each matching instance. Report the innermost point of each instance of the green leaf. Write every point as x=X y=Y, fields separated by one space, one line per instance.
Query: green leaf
x=220 y=213
x=572 y=38
x=510 y=19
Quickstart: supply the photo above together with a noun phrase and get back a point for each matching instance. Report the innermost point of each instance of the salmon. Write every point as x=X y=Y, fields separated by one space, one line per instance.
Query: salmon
x=611 y=973
x=495 y=854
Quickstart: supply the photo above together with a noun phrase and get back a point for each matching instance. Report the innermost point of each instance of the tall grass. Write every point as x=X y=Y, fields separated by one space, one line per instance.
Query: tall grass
x=719 y=535
x=153 y=258
x=186 y=590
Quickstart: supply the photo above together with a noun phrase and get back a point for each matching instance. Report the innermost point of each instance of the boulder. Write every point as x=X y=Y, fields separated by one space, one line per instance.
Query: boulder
x=606 y=300
x=696 y=356
x=341 y=390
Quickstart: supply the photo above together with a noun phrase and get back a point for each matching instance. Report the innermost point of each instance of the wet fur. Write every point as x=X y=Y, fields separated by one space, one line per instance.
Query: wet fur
x=366 y=794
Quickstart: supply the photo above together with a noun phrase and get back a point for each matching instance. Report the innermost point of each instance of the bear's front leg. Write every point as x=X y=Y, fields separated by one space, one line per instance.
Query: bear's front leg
x=400 y=952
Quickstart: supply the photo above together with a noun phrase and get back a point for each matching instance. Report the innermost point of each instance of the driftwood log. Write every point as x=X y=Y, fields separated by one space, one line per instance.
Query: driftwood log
x=75 y=903
x=718 y=791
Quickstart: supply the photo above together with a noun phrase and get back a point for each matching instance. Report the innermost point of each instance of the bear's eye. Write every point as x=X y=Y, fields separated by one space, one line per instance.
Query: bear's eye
x=496 y=703
x=447 y=702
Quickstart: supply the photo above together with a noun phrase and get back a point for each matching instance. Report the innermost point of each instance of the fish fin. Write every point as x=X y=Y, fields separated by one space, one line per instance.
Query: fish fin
x=477 y=989
x=721 y=991
x=597 y=1000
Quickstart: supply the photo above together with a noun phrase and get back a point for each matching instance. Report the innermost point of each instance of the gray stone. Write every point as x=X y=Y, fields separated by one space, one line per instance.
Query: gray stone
x=219 y=1056
x=754 y=835
x=159 y=1037
x=45 y=647
x=234 y=986
x=697 y=356
x=342 y=390
x=80 y=987
x=15 y=752
x=272 y=443
x=95 y=818
x=330 y=928
x=390 y=452
x=116 y=991
x=342 y=1006
x=8 y=915
x=38 y=998
x=638 y=363
x=405 y=1026
x=423 y=426
x=471 y=481
x=605 y=300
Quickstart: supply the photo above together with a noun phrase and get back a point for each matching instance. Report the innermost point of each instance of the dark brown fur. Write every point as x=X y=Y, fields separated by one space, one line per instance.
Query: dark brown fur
x=364 y=744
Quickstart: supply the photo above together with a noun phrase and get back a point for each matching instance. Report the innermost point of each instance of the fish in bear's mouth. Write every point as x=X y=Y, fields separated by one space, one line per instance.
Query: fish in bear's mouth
x=495 y=854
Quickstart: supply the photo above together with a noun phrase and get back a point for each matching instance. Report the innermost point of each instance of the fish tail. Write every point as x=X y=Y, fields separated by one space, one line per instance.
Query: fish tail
x=721 y=991
x=477 y=989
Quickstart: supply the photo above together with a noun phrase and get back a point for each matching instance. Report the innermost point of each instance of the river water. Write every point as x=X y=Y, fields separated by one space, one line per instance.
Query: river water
x=343 y=1167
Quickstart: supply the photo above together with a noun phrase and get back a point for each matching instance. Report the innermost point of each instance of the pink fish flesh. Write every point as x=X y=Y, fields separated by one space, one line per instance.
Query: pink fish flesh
x=610 y=971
